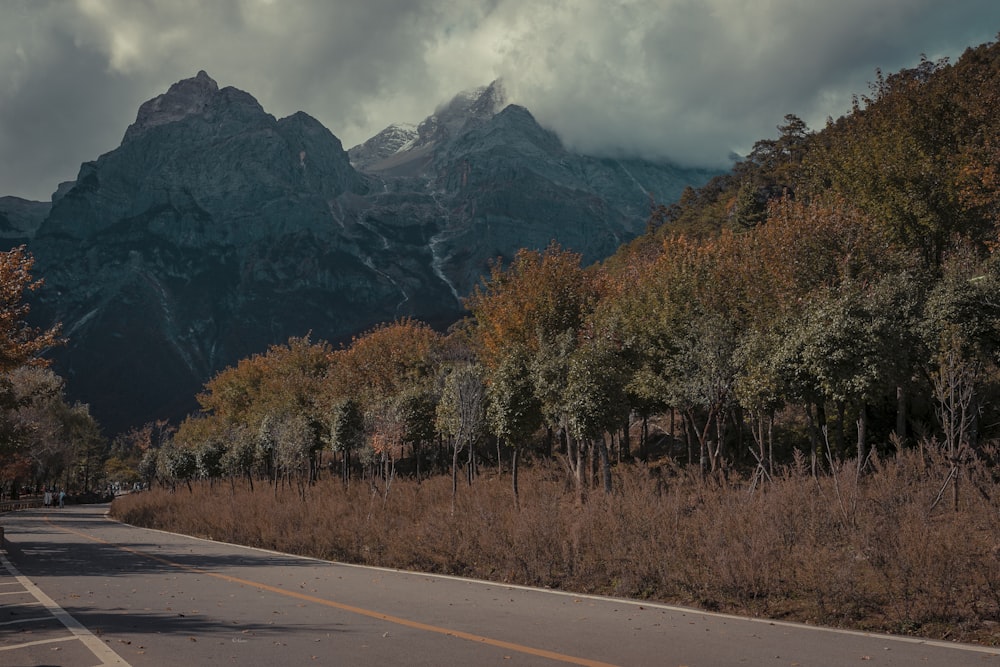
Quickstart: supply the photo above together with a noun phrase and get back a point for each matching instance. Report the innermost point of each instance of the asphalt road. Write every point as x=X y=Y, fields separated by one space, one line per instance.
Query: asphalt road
x=78 y=589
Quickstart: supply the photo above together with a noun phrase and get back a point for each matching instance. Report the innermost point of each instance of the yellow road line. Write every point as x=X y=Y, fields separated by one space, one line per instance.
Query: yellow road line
x=416 y=625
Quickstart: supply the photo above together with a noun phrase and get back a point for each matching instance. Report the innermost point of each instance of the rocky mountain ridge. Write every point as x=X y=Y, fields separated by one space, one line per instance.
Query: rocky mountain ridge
x=215 y=230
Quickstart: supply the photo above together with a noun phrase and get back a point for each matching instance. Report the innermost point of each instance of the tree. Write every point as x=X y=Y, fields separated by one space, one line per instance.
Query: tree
x=961 y=329
x=540 y=296
x=386 y=361
x=88 y=445
x=418 y=410
x=346 y=432
x=292 y=437
x=703 y=374
x=205 y=436
x=955 y=380
x=513 y=412
x=239 y=455
x=533 y=309
x=595 y=396
x=20 y=344
x=900 y=156
x=461 y=415
x=32 y=424
x=177 y=464
x=63 y=442
x=853 y=343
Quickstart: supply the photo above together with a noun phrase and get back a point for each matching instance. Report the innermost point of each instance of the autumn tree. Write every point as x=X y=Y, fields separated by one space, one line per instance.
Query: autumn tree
x=62 y=441
x=538 y=297
x=133 y=453
x=381 y=369
x=282 y=385
x=528 y=317
x=20 y=343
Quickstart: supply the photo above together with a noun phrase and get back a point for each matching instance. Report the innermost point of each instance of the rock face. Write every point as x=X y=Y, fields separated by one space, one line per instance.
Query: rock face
x=20 y=219
x=215 y=230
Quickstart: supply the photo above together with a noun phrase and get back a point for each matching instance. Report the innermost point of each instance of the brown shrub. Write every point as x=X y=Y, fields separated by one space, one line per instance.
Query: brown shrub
x=848 y=549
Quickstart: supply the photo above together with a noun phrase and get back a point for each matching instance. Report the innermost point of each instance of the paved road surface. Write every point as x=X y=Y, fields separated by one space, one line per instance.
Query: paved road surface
x=77 y=589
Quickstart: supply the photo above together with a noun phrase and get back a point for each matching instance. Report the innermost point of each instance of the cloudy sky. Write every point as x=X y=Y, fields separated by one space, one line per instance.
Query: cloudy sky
x=692 y=80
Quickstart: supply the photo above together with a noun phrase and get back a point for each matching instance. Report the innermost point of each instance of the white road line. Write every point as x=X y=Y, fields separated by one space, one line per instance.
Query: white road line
x=38 y=643
x=29 y=620
x=96 y=646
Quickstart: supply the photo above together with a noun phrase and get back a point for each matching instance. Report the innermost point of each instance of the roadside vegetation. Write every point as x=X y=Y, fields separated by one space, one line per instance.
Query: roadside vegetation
x=781 y=400
x=878 y=552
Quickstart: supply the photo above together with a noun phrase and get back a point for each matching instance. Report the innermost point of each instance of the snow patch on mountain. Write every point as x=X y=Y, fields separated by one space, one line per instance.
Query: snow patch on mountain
x=393 y=139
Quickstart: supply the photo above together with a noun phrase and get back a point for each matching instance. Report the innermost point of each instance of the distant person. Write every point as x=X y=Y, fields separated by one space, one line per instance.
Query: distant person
x=62 y=499
x=47 y=498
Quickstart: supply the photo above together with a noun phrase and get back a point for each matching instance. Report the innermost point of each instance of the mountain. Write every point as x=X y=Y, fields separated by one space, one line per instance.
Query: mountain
x=215 y=230
x=20 y=219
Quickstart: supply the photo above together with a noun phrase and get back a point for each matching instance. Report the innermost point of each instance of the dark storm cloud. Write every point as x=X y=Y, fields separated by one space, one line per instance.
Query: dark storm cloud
x=695 y=80
x=689 y=79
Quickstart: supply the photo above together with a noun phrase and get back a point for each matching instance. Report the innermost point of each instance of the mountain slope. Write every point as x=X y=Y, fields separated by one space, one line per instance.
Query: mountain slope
x=215 y=229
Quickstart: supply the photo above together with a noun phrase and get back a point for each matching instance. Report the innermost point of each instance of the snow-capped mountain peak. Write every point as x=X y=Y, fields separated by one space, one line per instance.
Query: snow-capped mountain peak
x=387 y=148
x=388 y=142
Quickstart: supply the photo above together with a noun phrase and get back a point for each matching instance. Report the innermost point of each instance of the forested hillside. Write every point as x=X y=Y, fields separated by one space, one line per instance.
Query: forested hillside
x=836 y=294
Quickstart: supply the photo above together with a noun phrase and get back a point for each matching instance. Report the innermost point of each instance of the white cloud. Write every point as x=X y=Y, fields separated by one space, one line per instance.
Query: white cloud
x=688 y=79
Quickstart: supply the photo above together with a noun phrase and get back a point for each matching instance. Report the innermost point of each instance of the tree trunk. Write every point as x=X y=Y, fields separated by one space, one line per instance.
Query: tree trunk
x=416 y=459
x=454 y=475
x=720 y=440
x=901 y=416
x=575 y=456
x=605 y=464
x=471 y=464
x=591 y=464
x=954 y=487
x=770 y=441
x=644 y=437
x=812 y=439
x=840 y=443
x=817 y=434
x=687 y=438
x=625 y=446
x=862 y=435
x=515 y=454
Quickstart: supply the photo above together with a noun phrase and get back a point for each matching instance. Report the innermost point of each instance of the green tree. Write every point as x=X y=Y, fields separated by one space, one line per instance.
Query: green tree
x=596 y=401
x=513 y=412
x=346 y=433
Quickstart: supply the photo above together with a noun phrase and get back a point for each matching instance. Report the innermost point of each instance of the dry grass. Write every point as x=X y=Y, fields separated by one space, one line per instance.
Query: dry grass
x=842 y=549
